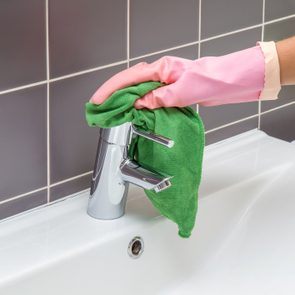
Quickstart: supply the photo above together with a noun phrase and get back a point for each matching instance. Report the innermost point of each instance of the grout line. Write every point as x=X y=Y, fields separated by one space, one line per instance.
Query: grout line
x=71 y=178
x=259 y=114
x=128 y=34
x=263 y=20
x=262 y=39
x=77 y=194
x=43 y=188
x=22 y=195
x=279 y=19
x=87 y=71
x=23 y=87
x=231 y=123
x=277 y=108
x=164 y=50
x=200 y=24
x=48 y=144
x=250 y=117
x=142 y=56
x=47 y=42
x=231 y=33
x=48 y=101
x=199 y=38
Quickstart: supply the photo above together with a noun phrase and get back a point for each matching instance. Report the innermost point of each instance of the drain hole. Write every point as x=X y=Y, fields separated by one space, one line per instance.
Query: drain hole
x=135 y=248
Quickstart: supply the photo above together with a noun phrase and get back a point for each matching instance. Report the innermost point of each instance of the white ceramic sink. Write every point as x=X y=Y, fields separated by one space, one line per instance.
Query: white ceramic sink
x=243 y=242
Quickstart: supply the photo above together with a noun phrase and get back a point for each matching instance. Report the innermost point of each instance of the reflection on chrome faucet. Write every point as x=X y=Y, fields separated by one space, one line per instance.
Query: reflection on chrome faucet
x=114 y=171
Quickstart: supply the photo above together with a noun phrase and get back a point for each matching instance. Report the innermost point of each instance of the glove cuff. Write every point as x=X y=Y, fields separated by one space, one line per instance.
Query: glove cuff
x=272 y=84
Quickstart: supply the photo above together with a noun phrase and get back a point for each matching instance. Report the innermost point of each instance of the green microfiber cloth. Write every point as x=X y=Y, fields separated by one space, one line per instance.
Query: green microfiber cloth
x=183 y=161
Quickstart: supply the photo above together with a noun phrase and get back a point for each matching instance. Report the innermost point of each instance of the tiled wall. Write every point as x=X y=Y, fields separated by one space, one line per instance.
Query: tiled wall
x=55 y=53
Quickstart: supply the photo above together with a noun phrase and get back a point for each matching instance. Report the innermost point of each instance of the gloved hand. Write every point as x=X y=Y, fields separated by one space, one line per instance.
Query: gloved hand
x=209 y=81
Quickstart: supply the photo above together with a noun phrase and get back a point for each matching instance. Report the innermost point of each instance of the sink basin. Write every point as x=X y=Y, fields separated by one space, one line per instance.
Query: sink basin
x=243 y=241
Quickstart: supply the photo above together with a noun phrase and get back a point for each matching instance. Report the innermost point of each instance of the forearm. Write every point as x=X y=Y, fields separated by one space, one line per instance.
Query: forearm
x=286 y=54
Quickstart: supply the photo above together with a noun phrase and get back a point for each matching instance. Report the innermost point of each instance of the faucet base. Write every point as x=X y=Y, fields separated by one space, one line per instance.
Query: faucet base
x=101 y=208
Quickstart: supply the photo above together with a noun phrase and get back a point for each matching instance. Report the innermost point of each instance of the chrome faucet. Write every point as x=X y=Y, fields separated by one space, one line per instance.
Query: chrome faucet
x=113 y=171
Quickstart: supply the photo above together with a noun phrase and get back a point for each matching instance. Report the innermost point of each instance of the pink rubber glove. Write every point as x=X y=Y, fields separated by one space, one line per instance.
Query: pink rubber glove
x=209 y=81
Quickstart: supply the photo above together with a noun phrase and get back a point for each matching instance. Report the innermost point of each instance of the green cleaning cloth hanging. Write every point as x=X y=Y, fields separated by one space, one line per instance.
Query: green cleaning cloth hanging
x=183 y=161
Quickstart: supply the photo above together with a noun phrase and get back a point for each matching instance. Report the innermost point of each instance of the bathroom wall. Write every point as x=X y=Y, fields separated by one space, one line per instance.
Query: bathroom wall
x=55 y=53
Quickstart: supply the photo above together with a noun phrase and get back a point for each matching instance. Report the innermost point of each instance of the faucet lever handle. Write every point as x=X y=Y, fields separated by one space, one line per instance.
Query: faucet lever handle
x=153 y=137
